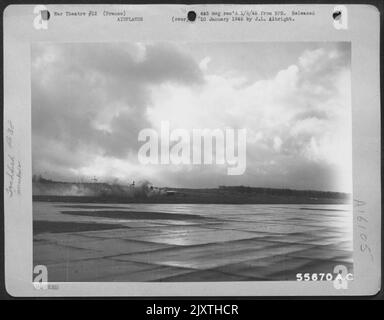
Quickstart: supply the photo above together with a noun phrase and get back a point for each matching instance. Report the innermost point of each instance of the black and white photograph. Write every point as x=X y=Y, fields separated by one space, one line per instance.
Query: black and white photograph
x=193 y=151
x=191 y=161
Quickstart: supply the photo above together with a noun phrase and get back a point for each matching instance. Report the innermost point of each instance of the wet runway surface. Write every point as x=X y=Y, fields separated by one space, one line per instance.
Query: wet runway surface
x=190 y=242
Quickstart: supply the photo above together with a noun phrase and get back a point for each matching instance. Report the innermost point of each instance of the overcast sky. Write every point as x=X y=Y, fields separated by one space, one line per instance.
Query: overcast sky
x=89 y=102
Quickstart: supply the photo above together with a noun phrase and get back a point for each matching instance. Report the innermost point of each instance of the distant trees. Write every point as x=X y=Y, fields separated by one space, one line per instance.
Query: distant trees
x=286 y=192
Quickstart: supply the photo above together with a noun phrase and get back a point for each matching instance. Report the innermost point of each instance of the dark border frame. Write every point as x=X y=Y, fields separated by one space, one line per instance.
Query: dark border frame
x=246 y=303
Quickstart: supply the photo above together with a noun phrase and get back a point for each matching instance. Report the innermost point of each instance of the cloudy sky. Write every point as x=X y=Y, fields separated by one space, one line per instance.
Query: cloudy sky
x=89 y=102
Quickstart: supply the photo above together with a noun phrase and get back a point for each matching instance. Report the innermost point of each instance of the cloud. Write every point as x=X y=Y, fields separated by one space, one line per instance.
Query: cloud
x=298 y=119
x=277 y=142
x=90 y=100
x=204 y=63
